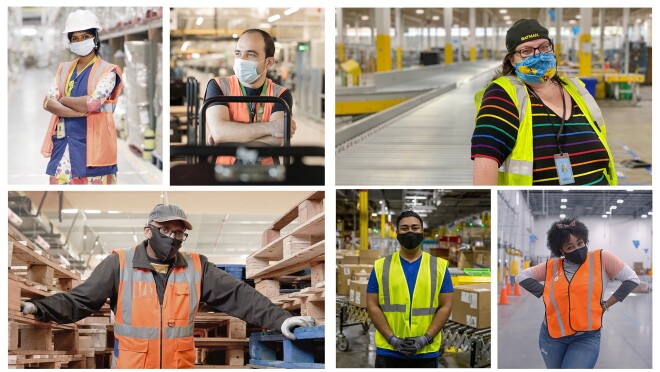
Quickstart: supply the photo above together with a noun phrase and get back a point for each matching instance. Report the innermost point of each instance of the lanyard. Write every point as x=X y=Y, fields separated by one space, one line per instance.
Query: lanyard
x=255 y=108
x=563 y=120
x=68 y=88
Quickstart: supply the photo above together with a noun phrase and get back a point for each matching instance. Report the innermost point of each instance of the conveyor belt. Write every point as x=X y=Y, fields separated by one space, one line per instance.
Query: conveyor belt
x=427 y=145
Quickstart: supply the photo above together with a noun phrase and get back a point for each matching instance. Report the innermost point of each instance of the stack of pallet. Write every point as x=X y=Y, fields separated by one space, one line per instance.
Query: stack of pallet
x=97 y=336
x=220 y=340
x=34 y=344
x=294 y=259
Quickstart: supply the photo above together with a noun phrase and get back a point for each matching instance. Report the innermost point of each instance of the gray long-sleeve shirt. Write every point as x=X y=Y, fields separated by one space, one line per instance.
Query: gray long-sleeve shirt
x=219 y=289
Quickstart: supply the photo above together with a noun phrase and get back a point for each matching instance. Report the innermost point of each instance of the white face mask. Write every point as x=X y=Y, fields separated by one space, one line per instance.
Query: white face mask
x=246 y=71
x=83 y=48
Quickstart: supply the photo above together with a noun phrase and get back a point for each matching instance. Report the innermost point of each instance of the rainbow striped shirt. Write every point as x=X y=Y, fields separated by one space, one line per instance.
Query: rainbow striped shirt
x=497 y=129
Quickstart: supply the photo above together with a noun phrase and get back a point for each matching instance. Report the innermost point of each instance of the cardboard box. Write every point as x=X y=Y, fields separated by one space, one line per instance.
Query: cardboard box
x=638 y=267
x=466 y=260
x=361 y=275
x=368 y=256
x=482 y=258
x=471 y=305
x=358 y=293
x=345 y=276
x=350 y=260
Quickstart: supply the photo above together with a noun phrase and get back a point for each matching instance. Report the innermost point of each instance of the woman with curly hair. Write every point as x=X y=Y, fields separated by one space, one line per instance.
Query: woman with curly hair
x=574 y=281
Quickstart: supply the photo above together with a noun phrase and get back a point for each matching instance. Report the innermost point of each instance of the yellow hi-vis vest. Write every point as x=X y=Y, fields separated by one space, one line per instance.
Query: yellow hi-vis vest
x=409 y=318
x=517 y=169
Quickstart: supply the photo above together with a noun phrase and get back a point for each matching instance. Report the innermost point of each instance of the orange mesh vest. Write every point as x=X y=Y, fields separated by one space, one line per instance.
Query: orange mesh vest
x=148 y=335
x=575 y=306
x=101 y=131
x=239 y=111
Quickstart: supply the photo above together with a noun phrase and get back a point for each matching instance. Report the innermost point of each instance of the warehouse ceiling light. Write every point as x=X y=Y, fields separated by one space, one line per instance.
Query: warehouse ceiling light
x=290 y=11
x=274 y=18
x=620 y=201
x=435 y=18
x=507 y=17
x=604 y=216
x=562 y=216
x=577 y=16
x=70 y=211
x=562 y=206
x=503 y=11
x=364 y=18
x=644 y=216
x=564 y=200
x=650 y=213
x=374 y=215
x=419 y=11
x=613 y=207
x=185 y=46
x=608 y=212
x=199 y=21
x=92 y=211
x=28 y=31
x=114 y=212
x=235 y=36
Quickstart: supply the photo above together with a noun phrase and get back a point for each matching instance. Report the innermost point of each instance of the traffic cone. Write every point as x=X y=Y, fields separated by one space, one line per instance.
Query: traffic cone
x=508 y=287
x=504 y=300
x=516 y=290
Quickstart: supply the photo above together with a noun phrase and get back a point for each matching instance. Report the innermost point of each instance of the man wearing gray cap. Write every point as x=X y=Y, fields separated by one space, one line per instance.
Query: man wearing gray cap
x=155 y=291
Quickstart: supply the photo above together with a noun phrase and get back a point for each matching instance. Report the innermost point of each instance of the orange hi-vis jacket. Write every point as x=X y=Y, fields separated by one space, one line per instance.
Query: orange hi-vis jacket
x=101 y=131
x=149 y=334
x=575 y=306
x=240 y=112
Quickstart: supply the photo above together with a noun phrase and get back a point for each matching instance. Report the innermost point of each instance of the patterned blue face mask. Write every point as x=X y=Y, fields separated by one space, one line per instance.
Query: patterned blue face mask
x=538 y=68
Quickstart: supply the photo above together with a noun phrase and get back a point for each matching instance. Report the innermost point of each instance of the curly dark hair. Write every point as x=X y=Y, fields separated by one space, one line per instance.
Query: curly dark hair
x=405 y=214
x=560 y=232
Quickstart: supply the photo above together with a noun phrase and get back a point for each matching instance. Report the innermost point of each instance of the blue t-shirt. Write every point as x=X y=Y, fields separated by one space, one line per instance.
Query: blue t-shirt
x=410 y=270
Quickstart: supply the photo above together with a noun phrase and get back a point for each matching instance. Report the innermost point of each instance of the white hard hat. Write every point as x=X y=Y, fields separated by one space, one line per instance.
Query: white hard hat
x=81 y=20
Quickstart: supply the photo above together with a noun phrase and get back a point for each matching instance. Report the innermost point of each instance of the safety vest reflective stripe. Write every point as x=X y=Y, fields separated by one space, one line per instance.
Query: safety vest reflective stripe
x=387 y=306
x=136 y=332
x=590 y=291
x=555 y=273
x=433 y=263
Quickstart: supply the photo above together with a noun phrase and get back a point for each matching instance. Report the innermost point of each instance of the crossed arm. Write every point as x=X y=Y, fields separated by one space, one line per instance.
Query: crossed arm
x=222 y=130
x=74 y=107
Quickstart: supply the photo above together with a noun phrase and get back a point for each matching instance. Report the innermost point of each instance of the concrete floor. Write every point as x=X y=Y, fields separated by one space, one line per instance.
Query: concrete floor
x=430 y=145
x=27 y=126
x=625 y=340
x=361 y=351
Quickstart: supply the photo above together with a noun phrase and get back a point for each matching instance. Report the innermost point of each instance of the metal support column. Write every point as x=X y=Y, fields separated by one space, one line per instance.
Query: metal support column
x=364 y=219
x=485 y=25
x=584 y=56
x=341 y=47
x=558 y=15
x=626 y=40
x=383 y=42
x=398 y=24
x=449 y=51
x=472 y=39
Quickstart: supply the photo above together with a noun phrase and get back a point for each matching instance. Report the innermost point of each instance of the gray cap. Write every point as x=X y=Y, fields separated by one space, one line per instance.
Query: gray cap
x=170 y=212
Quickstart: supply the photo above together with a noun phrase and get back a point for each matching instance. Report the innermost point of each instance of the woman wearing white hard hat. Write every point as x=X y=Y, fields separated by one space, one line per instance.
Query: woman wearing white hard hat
x=81 y=140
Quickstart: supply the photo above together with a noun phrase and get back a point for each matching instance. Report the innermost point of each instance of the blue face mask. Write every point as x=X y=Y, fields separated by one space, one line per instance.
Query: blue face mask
x=538 y=68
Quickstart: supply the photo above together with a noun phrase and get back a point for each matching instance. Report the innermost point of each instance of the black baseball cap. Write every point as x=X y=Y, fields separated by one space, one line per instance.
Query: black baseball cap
x=525 y=30
x=168 y=212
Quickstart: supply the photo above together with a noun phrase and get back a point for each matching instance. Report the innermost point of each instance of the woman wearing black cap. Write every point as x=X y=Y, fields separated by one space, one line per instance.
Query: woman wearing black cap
x=534 y=127
x=573 y=290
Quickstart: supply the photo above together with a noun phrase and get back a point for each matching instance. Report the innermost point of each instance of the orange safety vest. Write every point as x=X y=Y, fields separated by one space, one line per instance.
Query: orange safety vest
x=148 y=335
x=239 y=111
x=575 y=306
x=101 y=131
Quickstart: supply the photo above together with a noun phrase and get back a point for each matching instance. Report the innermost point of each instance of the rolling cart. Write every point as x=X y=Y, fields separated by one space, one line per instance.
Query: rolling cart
x=348 y=312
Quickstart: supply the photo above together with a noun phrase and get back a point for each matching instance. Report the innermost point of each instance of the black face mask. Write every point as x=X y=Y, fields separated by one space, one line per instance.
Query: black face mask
x=163 y=246
x=410 y=240
x=578 y=256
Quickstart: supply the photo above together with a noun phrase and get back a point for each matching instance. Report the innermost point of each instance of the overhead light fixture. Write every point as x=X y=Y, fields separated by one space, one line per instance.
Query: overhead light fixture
x=650 y=213
x=562 y=216
x=380 y=202
x=564 y=200
x=604 y=216
x=620 y=201
x=135 y=239
x=608 y=212
x=509 y=22
x=613 y=207
x=435 y=18
x=577 y=16
x=244 y=256
x=70 y=211
x=185 y=46
x=562 y=206
x=507 y=17
x=85 y=237
x=374 y=215
x=199 y=21
x=114 y=212
x=92 y=211
x=290 y=11
x=96 y=242
x=28 y=31
x=364 y=18
x=503 y=11
x=274 y=18
x=235 y=36
x=572 y=21
x=644 y=216
x=419 y=11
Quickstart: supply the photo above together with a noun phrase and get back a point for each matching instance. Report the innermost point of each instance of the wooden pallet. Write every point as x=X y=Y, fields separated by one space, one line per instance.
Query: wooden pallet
x=272 y=349
x=220 y=340
x=52 y=361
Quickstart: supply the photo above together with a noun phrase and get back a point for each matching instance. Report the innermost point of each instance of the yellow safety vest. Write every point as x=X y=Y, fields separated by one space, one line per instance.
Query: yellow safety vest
x=409 y=318
x=517 y=169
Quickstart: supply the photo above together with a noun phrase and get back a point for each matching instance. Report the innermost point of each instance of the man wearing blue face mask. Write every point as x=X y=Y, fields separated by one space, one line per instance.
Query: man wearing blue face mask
x=253 y=56
x=409 y=299
x=534 y=127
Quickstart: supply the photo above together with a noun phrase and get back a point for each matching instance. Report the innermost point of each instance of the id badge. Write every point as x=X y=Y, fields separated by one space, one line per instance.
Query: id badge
x=60 y=129
x=564 y=170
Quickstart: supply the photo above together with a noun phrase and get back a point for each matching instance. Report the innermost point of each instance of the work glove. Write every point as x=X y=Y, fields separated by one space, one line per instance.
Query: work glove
x=405 y=347
x=28 y=308
x=294 y=322
x=419 y=342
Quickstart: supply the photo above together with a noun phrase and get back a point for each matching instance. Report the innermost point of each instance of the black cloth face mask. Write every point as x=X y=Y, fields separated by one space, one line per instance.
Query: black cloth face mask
x=163 y=246
x=578 y=256
x=410 y=240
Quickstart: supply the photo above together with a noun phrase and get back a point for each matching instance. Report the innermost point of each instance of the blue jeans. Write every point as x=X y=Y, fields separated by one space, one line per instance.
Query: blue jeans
x=576 y=351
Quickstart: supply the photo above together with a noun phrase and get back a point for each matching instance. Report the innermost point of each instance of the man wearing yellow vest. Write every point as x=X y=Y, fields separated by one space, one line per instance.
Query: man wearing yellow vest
x=254 y=55
x=409 y=299
x=155 y=291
